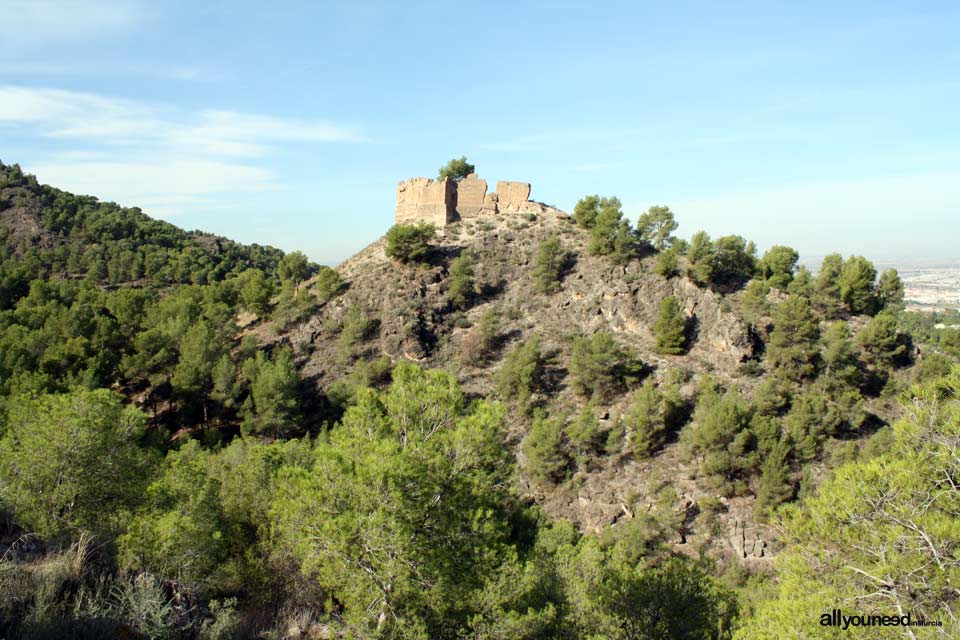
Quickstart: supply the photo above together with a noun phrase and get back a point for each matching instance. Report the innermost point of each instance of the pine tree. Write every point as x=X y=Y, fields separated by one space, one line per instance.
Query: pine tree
x=793 y=347
x=670 y=327
x=775 y=487
x=645 y=419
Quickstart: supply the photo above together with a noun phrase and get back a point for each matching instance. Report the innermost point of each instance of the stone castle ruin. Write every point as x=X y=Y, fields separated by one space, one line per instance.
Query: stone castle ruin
x=444 y=201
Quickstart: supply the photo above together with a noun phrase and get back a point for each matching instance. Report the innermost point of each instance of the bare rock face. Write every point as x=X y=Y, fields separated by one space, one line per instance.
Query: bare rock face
x=471 y=196
x=746 y=542
x=423 y=199
x=512 y=194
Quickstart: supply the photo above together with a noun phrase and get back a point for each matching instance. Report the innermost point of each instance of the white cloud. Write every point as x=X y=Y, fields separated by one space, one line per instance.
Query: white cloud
x=116 y=121
x=97 y=145
x=38 y=22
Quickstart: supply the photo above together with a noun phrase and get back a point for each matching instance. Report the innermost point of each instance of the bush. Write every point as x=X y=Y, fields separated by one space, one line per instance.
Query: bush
x=543 y=447
x=670 y=327
x=521 y=372
x=328 y=284
x=600 y=368
x=646 y=422
x=668 y=265
x=357 y=327
x=410 y=242
x=462 y=285
x=550 y=263
x=71 y=462
x=480 y=340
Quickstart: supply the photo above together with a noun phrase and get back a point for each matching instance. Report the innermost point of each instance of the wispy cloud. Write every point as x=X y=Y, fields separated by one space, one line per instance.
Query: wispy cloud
x=96 y=144
x=38 y=22
x=105 y=120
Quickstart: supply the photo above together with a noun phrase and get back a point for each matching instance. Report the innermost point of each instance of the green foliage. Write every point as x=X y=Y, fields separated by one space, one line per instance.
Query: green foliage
x=877 y=532
x=656 y=227
x=839 y=359
x=357 y=327
x=547 y=461
x=793 y=348
x=881 y=342
x=802 y=283
x=457 y=169
x=856 y=284
x=701 y=256
x=462 y=282
x=480 y=341
x=273 y=405
x=328 y=284
x=734 y=259
x=828 y=277
x=721 y=435
x=71 y=462
x=646 y=421
x=399 y=515
x=772 y=396
x=410 y=242
x=668 y=265
x=610 y=233
x=588 y=210
x=521 y=373
x=754 y=301
x=599 y=367
x=550 y=263
x=890 y=290
x=255 y=291
x=294 y=268
x=777 y=266
x=775 y=486
x=670 y=328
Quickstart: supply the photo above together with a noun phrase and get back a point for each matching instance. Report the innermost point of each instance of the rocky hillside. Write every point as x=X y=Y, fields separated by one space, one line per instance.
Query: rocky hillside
x=411 y=317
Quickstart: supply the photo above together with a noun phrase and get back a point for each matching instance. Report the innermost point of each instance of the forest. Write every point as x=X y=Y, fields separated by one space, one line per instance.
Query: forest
x=176 y=463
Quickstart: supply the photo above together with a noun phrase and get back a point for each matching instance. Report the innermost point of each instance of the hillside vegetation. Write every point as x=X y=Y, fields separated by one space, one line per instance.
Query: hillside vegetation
x=515 y=427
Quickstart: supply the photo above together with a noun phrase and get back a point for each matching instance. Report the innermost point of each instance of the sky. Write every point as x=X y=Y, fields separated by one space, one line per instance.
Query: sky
x=821 y=125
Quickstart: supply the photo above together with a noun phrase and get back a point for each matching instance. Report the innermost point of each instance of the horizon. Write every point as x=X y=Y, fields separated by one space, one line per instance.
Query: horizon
x=826 y=129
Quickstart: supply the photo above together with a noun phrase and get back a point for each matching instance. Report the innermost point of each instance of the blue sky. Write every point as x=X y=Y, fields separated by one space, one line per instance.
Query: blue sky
x=821 y=126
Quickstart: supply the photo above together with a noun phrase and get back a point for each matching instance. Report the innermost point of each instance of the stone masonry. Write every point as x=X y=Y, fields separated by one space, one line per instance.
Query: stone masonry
x=444 y=201
x=425 y=199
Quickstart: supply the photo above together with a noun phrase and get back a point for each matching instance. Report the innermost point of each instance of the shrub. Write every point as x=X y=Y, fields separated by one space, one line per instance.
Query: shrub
x=550 y=262
x=328 y=284
x=600 y=368
x=521 y=373
x=410 y=242
x=670 y=327
x=543 y=448
x=646 y=422
x=462 y=285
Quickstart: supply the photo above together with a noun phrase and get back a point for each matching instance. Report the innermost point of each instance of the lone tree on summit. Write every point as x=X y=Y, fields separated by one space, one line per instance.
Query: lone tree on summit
x=456 y=169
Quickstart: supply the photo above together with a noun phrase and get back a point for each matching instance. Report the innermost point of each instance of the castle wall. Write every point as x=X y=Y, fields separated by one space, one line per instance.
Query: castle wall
x=443 y=201
x=471 y=193
x=512 y=194
x=427 y=200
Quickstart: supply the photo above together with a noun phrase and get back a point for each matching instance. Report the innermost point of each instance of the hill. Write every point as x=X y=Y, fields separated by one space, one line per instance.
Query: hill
x=521 y=424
